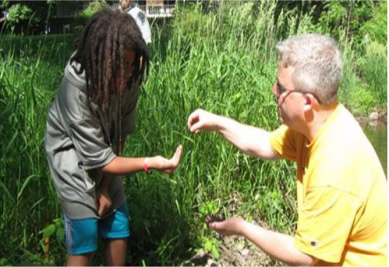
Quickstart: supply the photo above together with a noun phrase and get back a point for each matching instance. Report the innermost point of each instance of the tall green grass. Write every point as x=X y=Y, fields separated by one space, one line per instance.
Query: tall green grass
x=30 y=71
x=224 y=62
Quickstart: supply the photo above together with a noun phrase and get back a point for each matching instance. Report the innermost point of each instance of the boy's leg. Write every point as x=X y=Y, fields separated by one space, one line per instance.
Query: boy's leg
x=79 y=260
x=115 y=229
x=81 y=240
x=115 y=252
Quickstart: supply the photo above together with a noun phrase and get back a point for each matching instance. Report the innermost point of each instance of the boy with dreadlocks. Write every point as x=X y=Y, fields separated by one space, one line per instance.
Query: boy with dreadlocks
x=87 y=125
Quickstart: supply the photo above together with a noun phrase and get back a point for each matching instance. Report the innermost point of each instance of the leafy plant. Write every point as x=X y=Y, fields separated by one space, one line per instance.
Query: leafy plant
x=376 y=27
x=21 y=14
x=211 y=245
x=92 y=8
x=57 y=228
x=373 y=68
x=361 y=101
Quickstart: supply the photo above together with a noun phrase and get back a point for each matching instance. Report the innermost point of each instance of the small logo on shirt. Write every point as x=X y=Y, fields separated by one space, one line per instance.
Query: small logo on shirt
x=313 y=243
x=141 y=17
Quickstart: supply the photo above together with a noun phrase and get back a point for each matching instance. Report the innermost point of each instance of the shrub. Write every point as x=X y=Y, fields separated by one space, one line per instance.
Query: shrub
x=373 y=69
x=21 y=18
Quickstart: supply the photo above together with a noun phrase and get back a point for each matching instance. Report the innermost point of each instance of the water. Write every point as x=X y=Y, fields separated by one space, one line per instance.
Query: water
x=377 y=134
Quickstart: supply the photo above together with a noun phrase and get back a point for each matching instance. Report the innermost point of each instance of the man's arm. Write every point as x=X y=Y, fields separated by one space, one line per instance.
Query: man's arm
x=248 y=139
x=277 y=245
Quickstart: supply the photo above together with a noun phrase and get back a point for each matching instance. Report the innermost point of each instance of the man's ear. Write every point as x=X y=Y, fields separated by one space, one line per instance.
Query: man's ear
x=310 y=100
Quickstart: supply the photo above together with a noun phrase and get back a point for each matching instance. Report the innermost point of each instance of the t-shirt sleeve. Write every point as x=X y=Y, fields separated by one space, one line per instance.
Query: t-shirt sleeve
x=283 y=143
x=88 y=139
x=325 y=222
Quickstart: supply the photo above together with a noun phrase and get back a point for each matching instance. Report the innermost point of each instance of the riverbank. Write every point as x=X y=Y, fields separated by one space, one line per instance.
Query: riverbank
x=376 y=118
x=375 y=127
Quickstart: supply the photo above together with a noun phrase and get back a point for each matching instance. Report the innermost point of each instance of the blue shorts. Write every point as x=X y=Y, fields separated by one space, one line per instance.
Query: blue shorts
x=81 y=235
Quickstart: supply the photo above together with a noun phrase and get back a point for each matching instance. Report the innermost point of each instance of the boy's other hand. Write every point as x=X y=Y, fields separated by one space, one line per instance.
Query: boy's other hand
x=103 y=202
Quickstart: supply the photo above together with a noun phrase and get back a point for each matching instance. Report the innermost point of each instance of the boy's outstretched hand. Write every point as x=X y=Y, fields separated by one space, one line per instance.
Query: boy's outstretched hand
x=231 y=226
x=166 y=165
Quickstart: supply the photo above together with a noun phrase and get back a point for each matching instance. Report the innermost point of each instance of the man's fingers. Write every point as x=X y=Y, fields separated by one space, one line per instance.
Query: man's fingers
x=194 y=124
x=195 y=128
x=190 y=120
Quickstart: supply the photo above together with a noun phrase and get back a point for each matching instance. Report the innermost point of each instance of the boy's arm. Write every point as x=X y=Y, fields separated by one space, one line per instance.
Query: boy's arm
x=123 y=165
x=103 y=200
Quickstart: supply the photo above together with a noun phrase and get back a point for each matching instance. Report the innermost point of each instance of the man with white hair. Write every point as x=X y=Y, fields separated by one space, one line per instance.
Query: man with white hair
x=139 y=16
x=341 y=186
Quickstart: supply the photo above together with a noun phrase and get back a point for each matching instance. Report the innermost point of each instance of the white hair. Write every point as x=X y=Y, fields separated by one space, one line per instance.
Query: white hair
x=317 y=63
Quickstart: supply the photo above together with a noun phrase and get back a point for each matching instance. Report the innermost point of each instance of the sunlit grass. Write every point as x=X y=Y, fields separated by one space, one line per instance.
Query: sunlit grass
x=224 y=62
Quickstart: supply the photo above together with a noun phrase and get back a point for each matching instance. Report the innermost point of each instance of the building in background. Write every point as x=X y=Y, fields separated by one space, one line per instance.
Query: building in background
x=65 y=13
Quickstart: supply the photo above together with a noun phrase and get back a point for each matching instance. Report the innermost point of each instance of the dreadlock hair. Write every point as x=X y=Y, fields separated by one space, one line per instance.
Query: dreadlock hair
x=101 y=50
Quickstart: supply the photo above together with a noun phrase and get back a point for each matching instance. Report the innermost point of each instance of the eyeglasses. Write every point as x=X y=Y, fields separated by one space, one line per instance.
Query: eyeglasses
x=280 y=90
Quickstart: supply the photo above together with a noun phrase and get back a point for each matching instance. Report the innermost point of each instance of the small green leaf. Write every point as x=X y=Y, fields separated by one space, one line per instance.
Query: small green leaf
x=49 y=230
x=208 y=245
x=215 y=252
x=3 y=262
x=60 y=234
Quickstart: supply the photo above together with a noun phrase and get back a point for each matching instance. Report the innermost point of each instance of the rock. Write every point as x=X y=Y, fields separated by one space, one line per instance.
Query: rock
x=245 y=252
x=373 y=116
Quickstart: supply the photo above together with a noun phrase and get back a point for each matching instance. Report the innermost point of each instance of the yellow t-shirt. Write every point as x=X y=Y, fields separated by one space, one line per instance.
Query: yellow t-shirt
x=341 y=192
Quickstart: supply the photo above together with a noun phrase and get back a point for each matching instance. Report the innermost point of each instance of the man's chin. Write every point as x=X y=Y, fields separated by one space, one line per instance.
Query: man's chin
x=280 y=119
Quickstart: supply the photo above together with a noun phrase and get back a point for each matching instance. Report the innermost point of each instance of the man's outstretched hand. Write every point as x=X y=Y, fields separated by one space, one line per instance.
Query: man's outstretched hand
x=202 y=120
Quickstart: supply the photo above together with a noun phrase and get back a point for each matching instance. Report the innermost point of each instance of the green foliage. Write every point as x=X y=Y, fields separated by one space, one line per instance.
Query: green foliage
x=223 y=61
x=357 y=19
x=211 y=246
x=208 y=208
x=19 y=13
x=376 y=27
x=361 y=101
x=190 y=19
x=336 y=14
x=4 y=262
x=83 y=16
x=373 y=68
x=92 y=8
x=4 y=4
x=28 y=77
